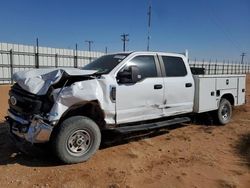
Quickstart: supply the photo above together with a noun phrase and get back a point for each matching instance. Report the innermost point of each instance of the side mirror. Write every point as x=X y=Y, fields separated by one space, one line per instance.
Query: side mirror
x=129 y=75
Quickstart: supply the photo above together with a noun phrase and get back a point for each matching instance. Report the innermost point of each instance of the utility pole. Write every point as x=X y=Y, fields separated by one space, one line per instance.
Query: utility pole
x=106 y=50
x=149 y=25
x=89 y=42
x=242 y=57
x=124 y=39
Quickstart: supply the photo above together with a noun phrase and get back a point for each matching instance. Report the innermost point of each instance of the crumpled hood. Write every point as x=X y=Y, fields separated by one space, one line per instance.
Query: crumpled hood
x=38 y=81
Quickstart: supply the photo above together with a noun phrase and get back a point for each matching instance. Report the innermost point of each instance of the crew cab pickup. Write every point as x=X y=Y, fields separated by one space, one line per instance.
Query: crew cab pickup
x=123 y=92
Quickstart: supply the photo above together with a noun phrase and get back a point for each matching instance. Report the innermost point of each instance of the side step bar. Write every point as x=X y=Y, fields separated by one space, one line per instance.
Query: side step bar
x=150 y=126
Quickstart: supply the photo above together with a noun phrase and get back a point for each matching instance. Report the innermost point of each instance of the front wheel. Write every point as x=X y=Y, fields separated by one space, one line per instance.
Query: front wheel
x=77 y=139
x=224 y=112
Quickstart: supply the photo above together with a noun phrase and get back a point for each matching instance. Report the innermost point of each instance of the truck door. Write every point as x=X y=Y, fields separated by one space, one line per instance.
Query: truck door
x=178 y=86
x=141 y=100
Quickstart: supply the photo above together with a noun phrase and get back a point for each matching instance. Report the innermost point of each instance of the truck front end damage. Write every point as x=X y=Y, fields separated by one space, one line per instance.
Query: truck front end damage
x=35 y=131
x=39 y=98
x=27 y=115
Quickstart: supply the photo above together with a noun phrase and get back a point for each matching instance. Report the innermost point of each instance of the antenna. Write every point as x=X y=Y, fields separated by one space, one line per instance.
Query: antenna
x=149 y=24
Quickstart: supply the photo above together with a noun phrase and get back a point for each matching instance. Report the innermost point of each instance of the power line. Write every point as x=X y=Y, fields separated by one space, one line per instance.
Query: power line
x=124 y=40
x=220 y=25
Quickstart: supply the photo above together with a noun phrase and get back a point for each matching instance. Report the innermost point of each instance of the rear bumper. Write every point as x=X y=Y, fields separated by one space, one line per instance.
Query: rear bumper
x=34 y=131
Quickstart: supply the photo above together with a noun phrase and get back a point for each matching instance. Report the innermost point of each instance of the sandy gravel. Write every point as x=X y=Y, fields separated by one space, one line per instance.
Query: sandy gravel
x=193 y=155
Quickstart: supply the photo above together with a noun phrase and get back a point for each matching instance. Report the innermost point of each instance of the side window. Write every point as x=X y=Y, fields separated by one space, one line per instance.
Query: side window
x=146 y=65
x=174 y=66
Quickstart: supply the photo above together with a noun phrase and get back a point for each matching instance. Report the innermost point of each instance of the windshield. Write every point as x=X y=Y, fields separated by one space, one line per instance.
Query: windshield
x=106 y=63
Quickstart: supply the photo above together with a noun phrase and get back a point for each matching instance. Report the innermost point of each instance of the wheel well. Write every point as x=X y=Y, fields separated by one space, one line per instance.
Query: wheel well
x=90 y=109
x=229 y=97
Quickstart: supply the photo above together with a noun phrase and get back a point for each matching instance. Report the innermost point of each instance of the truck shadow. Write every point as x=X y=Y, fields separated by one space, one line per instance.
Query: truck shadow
x=41 y=155
x=112 y=139
x=32 y=157
x=206 y=119
x=242 y=148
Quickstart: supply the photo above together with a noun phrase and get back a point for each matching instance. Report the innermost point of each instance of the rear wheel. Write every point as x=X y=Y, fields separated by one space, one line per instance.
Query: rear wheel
x=224 y=112
x=77 y=139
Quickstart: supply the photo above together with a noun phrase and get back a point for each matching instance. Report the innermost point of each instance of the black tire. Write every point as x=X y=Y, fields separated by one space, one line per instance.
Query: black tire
x=77 y=139
x=224 y=112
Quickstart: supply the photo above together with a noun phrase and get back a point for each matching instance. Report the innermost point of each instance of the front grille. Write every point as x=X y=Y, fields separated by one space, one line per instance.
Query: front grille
x=27 y=103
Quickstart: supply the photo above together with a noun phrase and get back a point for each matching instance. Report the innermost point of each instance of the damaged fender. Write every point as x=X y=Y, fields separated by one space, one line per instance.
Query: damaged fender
x=91 y=90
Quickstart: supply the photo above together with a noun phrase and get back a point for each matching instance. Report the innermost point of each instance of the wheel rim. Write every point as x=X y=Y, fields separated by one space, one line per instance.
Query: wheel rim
x=225 y=112
x=79 y=142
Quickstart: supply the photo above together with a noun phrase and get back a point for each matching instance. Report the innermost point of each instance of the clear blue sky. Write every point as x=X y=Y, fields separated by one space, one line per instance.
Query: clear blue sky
x=216 y=29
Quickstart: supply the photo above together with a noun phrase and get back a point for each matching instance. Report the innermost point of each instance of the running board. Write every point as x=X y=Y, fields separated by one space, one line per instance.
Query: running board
x=150 y=126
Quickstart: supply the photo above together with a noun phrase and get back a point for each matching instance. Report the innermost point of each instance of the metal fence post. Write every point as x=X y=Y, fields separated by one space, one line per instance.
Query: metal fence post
x=37 y=61
x=240 y=66
x=37 y=55
x=209 y=66
x=215 y=67
x=75 y=61
x=223 y=66
x=235 y=68
x=56 y=60
x=75 y=58
x=11 y=66
x=242 y=69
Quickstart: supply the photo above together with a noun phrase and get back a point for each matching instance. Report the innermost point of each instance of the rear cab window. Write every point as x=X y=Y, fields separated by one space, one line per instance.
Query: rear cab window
x=174 y=66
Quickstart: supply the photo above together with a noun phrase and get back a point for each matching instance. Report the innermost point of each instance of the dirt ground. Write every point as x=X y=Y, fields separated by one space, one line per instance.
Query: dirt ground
x=193 y=155
x=4 y=89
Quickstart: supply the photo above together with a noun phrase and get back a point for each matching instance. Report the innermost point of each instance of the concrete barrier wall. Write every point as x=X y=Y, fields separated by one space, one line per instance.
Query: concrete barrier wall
x=18 y=57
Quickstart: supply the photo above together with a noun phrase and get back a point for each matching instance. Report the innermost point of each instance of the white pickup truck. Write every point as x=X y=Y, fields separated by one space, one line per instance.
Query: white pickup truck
x=122 y=92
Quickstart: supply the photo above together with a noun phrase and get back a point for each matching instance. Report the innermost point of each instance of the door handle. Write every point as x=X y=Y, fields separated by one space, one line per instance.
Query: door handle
x=188 y=85
x=157 y=86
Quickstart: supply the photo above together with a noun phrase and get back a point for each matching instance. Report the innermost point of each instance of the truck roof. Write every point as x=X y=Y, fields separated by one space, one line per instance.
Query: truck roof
x=154 y=52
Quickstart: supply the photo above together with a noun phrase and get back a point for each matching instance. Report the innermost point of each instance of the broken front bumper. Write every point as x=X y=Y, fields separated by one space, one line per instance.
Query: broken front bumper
x=34 y=131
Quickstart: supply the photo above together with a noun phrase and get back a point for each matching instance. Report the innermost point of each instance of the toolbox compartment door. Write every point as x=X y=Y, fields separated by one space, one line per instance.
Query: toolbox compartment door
x=226 y=83
x=241 y=90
